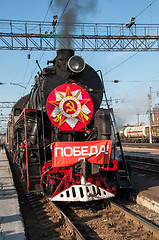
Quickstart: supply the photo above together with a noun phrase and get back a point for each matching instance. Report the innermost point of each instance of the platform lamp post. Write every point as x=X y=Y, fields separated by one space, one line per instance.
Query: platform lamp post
x=150 y=116
x=1 y=127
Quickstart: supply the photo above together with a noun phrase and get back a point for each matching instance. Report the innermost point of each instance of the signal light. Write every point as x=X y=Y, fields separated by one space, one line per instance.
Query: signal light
x=76 y=64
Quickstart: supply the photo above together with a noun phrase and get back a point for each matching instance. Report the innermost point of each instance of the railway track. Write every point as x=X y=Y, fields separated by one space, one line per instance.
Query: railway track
x=52 y=222
x=98 y=220
x=44 y=220
x=109 y=221
x=141 y=145
x=145 y=167
x=143 y=157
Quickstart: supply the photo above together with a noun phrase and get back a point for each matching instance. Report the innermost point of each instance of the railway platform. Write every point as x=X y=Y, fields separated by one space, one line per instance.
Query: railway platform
x=11 y=222
x=145 y=187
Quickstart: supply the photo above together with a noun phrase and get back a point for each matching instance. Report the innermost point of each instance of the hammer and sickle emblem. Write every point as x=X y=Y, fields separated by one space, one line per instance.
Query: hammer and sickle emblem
x=57 y=119
x=71 y=106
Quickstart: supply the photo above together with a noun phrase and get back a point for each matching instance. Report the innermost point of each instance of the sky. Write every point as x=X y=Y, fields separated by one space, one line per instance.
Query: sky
x=137 y=73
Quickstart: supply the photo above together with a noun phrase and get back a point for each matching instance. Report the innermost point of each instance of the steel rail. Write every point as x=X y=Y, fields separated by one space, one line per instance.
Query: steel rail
x=144 y=166
x=141 y=145
x=145 y=163
x=63 y=220
x=145 y=170
x=70 y=225
x=138 y=219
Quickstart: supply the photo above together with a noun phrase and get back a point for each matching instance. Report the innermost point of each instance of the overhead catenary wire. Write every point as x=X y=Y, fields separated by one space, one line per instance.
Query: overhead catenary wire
x=120 y=63
x=42 y=53
x=64 y=10
x=62 y=16
x=48 y=10
x=136 y=52
x=50 y=39
x=24 y=76
x=145 y=8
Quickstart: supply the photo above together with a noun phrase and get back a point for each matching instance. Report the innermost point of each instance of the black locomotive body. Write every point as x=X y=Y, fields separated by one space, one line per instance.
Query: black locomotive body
x=59 y=136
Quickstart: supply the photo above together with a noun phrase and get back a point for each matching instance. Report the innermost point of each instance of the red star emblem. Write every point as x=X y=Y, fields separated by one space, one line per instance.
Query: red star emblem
x=73 y=107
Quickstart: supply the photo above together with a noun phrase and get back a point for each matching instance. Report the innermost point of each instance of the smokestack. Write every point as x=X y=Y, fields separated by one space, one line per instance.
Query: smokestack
x=65 y=53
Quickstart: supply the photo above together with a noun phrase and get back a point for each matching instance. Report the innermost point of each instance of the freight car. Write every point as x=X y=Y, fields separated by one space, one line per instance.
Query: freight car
x=61 y=139
x=139 y=133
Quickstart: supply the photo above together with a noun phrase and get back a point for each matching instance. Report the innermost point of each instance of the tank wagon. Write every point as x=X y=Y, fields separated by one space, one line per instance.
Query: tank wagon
x=139 y=134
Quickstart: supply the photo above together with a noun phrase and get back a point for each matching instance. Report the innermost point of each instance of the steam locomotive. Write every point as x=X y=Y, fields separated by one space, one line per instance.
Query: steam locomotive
x=60 y=138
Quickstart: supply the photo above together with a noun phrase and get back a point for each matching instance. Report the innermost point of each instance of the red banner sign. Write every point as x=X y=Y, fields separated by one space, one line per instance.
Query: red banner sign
x=69 y=153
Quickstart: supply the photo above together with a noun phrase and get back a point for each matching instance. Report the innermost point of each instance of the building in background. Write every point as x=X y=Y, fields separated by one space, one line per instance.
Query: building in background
x=156 y=114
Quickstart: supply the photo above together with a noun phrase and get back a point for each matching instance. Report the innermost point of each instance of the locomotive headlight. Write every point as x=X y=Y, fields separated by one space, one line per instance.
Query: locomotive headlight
x=76 y=64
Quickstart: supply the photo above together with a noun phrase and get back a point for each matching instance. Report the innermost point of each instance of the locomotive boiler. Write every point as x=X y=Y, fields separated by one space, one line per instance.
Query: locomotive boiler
x=60 y=137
